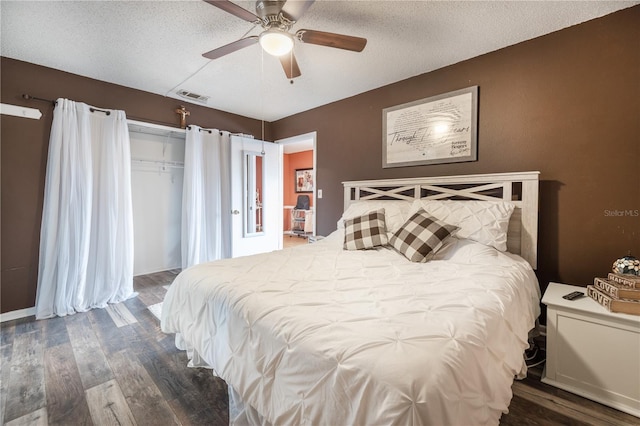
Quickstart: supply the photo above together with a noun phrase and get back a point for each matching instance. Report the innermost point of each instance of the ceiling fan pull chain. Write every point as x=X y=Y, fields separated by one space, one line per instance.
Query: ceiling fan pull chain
x=262 y=92
x=291 y=65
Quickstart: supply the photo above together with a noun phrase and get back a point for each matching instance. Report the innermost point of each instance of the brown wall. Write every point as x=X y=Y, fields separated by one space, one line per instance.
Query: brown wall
x=24 y=152
x=566 y=104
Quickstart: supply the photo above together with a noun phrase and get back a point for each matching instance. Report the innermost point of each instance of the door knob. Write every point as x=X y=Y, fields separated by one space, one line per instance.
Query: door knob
x=235 y=211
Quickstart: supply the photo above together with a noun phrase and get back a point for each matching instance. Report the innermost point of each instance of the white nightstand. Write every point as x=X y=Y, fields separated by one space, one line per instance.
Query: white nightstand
x=592 y=352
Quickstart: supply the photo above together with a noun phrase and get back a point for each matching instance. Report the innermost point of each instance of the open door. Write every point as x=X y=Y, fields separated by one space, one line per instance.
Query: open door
x=256 y=196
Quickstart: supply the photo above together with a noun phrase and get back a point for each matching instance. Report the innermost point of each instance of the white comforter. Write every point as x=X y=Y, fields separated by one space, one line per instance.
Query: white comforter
x=318 y=335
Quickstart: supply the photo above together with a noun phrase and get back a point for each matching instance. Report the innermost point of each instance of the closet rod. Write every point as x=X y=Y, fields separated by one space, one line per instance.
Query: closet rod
x=158 y=162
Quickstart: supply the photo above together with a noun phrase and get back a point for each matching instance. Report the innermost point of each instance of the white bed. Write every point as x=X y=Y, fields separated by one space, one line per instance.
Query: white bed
x=319 y=335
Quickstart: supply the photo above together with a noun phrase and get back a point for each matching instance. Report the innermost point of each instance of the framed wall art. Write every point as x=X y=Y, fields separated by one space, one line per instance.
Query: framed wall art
x=436 y=130
x=304 y=180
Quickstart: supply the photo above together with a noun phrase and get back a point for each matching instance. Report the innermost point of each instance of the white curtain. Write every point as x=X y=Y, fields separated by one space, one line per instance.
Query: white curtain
x=206 y=196
x=86 y=237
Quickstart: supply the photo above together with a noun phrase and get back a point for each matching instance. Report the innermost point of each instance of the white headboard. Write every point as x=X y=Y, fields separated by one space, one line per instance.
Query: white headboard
x=521 y=188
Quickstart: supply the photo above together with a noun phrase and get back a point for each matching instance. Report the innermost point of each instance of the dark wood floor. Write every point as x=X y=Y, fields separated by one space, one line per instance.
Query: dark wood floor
x=115 y=366
x=105 y=367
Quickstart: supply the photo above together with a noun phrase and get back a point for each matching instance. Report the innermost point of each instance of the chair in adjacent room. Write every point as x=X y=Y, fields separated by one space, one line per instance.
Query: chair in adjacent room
x=299 y=215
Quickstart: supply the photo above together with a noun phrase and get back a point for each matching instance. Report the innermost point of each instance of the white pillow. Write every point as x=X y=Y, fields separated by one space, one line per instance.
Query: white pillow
x=483 y=221
x=396 y=212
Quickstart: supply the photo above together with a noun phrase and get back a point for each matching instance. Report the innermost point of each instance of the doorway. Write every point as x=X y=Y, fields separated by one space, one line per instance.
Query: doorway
x=299 y=155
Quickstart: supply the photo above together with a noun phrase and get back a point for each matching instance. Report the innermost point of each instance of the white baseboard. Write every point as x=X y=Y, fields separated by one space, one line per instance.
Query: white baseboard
x=21 y=313
x=155 y=271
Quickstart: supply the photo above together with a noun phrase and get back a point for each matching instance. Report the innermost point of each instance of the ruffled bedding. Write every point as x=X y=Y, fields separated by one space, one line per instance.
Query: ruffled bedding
x=316 y=335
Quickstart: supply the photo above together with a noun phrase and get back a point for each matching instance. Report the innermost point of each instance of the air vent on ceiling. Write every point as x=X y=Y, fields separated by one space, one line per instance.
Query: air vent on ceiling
x=193 y=96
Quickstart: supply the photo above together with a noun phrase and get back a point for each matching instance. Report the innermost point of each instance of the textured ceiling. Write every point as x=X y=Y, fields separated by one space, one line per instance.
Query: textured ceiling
x=156 y=46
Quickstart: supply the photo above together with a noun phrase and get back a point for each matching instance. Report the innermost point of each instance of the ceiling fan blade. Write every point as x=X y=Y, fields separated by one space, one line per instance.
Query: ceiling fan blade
x=290 y=65
x=231 y=47
x=294 y=9
x=234 y=9
x=339 y=41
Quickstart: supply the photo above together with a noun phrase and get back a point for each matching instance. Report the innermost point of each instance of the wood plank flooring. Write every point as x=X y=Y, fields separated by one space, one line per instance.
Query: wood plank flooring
x=289 y=240
x=103 y=367
x=115 y=366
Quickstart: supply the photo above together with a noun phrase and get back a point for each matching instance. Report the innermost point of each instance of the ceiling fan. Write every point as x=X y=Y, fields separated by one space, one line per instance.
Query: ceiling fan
x=276 y=18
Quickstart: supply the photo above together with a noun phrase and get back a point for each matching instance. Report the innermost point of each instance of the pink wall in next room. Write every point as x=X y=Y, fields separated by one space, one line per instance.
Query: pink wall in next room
x=298 y=160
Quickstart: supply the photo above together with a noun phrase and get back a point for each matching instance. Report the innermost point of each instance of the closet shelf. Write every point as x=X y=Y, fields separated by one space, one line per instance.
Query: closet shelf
x=161 y=163
x=156 y=129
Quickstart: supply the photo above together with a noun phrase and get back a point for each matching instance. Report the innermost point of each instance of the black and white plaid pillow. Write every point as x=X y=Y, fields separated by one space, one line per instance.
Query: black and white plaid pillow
x=366 y=231
x=421 y=236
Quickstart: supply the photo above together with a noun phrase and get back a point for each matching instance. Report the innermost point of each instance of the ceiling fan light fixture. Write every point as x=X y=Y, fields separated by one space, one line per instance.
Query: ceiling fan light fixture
x=276 y=42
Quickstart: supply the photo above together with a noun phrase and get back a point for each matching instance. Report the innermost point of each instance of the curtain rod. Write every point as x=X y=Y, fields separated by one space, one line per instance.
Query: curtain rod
x=29 y=97
x=92 y=109
x=244 y=135
x=200 y=129
x=54 y=103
